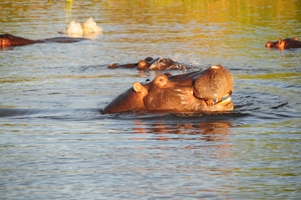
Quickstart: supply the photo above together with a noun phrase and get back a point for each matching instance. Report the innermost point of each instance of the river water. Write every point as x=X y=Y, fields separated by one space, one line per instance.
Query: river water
x=56 y=144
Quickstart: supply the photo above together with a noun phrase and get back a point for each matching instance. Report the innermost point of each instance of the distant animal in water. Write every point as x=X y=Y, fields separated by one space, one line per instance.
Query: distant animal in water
x=151 y=64
x=282 y=44
x=8 y=40
x=80 y=29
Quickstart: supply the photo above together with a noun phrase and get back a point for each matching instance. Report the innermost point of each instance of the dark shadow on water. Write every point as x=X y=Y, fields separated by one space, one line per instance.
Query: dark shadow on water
x=56 y=114
x=14 y=112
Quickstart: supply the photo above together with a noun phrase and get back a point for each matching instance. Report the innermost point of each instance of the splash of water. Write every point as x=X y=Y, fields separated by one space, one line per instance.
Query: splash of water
x=76 y=29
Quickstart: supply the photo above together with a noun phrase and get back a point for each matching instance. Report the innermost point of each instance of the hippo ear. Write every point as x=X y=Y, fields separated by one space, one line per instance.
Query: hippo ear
x=280 y=41
x=295 y=38
x=161 y=81
x=138 y=87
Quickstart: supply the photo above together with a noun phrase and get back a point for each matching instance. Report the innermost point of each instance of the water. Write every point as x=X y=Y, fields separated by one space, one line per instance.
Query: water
x=55 y=143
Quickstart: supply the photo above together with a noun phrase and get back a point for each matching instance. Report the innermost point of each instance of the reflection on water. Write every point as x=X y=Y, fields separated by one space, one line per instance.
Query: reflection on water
x=56 y=144
x=215 y=132
x=204 y=128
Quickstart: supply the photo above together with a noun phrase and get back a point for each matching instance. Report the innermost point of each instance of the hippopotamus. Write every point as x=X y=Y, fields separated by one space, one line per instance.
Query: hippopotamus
x=7 y=40
x=282 y=44
x=195 y=92
x=151 y=64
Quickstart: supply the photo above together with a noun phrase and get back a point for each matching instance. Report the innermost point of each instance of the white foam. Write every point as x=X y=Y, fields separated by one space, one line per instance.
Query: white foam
x=91 y=27
x=76 y=29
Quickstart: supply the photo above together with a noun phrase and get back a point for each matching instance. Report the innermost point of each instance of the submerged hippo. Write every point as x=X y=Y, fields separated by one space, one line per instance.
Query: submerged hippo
x=151 y=64
x=7 y=40
x=282 y=44
x=199 y=91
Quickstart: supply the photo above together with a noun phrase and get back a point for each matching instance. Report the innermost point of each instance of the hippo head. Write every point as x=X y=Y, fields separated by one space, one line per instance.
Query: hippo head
x=159 y=64
x=198 y=91
x=284 y=43
x=7 y=40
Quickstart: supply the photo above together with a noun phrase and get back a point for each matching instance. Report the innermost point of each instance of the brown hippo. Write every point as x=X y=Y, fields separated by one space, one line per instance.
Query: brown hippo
x=282 y=44
x=7 y=40
x=194 y=92
x=151 y=64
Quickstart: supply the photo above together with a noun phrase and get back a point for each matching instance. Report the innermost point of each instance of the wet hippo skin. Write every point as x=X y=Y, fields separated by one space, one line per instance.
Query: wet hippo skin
x=151 y=64
x=282 y=44
x=194 y=92
x=7 y=40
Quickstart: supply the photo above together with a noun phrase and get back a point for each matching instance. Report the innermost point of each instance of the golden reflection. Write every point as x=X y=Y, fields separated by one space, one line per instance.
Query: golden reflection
x=202 y=26
x=68 y=7
x=184 y=11
x=202 y=10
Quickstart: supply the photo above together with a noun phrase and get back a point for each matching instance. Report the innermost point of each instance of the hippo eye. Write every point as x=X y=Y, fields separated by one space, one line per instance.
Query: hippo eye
x=147 y=80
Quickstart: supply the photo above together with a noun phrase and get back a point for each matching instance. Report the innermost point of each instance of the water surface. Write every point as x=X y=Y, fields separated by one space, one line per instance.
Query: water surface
x=55 y=143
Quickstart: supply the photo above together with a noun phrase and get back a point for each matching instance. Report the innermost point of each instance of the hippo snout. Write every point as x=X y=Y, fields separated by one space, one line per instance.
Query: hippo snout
x=268 y=44
x=214 y=83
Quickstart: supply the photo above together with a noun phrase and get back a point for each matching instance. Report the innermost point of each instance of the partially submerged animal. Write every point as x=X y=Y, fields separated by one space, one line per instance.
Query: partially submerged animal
x=195 y=92
x=7 y=40
x=282 y=44
x=151 y=64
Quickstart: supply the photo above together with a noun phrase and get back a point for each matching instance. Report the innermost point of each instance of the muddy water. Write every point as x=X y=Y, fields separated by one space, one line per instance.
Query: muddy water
x=54 y=142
